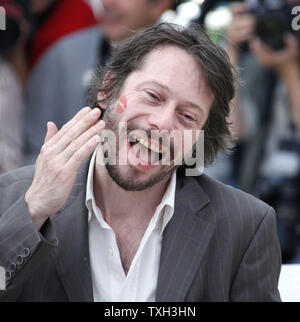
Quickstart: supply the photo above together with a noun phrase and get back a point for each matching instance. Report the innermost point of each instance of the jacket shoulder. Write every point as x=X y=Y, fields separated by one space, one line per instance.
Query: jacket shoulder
x=232 y=200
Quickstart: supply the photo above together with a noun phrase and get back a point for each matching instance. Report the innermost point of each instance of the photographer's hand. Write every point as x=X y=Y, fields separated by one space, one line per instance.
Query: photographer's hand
x=241 y=29
x=58 y=163
x=280 y=60
x=286 y=63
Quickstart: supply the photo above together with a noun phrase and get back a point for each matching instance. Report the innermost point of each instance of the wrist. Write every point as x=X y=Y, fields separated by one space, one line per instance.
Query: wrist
x=34 y=210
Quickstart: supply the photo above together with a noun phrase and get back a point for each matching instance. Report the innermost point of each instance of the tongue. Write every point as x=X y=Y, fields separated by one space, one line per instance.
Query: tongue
x=146 y=155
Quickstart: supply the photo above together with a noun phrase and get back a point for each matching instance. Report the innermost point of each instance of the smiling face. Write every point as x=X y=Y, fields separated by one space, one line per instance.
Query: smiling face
x=167 y=95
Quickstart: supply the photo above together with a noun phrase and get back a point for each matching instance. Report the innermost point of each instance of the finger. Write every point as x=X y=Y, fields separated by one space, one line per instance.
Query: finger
x=51 y=131
x=69 y=124
x=80 y=141
x=80 y=155
x=79 y=128
x=265 y=54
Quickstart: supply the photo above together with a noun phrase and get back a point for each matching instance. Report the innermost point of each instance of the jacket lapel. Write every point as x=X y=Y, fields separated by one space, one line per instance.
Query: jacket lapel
x=185 y=241
x=72 y=255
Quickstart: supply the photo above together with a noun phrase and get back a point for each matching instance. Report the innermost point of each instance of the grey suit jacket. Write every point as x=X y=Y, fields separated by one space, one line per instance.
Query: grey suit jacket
x=220 y=245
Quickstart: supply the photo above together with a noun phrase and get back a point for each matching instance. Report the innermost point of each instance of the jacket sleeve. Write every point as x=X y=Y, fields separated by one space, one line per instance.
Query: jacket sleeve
x=256 y=279
x=22 y=247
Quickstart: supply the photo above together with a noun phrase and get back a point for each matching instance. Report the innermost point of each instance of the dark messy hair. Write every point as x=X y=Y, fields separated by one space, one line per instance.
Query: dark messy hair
x=129 y=55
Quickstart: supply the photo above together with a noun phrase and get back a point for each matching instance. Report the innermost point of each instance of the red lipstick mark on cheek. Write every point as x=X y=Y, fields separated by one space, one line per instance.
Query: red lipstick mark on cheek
x=122 y=105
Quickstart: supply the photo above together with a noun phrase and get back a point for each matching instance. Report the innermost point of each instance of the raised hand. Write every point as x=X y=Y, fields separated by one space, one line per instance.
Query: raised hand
x=59 y=160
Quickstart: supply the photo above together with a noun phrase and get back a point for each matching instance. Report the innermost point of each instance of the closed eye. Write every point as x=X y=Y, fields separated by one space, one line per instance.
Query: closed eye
x=189 y=117
x=188 y=120
x=152 y=95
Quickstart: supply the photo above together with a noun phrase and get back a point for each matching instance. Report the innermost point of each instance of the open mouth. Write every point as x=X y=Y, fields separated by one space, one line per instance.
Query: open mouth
x=153 y=151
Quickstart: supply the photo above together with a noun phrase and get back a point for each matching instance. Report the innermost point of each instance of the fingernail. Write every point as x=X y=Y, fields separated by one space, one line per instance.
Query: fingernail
x=101 y=123
x=95 y=112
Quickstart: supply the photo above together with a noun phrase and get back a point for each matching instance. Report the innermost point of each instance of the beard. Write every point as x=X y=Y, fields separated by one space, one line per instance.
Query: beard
x=131 y=183
x=127 y=177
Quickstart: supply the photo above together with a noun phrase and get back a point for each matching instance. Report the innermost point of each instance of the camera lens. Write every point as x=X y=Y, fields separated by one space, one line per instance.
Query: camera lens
x=271 y=28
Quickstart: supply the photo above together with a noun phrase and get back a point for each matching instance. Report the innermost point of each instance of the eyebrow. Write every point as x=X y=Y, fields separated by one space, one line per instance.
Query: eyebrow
x=167 y=89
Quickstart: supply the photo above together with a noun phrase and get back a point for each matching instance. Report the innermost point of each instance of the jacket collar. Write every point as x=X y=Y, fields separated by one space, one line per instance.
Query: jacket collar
x=185 y=241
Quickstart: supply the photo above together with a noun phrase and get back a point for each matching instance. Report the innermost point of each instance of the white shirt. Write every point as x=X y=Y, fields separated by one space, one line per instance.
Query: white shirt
x=110 y=284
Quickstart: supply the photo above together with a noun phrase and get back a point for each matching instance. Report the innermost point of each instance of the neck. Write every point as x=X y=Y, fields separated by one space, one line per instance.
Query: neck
x=115 y=202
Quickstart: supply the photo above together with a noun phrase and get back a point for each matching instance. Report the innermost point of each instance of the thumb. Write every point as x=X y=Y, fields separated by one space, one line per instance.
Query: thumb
x=51 y=131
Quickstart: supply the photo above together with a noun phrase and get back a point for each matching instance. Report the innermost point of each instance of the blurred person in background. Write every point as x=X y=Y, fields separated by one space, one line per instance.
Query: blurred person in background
x=13 y=71
x=55 y=19
x=269 y=103
x=59 y=81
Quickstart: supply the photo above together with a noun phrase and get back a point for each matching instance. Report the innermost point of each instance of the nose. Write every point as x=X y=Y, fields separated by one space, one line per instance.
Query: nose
x=162 y=119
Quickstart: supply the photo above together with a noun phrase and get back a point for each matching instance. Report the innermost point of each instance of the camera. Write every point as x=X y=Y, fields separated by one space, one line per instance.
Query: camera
x=273 y=20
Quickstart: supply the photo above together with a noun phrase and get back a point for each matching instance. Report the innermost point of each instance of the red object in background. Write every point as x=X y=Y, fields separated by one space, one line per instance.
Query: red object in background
x=67 y=17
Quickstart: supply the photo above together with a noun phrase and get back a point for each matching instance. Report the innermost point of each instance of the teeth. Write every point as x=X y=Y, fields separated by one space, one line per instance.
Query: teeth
x=154 y=148
x=146 y=144
x=132 y=139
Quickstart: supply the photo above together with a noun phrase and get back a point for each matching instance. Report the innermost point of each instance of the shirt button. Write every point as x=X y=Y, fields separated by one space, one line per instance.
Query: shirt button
x=111 y=252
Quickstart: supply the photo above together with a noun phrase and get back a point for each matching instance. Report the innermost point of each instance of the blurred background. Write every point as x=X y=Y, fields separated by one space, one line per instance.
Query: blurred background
x=49 y=49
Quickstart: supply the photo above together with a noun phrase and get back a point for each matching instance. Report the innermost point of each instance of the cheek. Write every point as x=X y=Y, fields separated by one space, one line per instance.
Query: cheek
x=122 y=104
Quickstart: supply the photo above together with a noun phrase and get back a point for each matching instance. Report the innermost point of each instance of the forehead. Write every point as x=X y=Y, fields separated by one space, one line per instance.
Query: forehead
x=174 y=68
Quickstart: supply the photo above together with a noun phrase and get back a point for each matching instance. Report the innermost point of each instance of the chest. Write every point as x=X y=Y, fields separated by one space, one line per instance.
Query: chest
x=128 y=237
x=124 y=261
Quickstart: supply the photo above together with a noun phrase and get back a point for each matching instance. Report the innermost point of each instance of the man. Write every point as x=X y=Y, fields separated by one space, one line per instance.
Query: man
x=58 y=83
x=139 y=231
